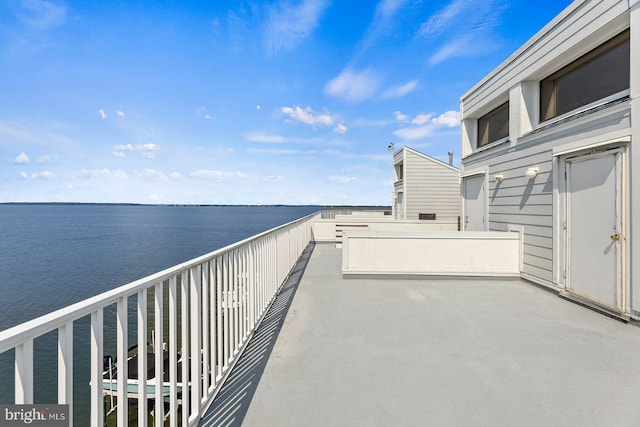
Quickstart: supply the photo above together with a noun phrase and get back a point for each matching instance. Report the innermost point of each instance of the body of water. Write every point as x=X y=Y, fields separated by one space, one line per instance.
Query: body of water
x=54 y=255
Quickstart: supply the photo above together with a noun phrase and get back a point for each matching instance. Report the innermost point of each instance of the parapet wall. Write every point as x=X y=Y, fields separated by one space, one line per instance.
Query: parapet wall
x=482 y=253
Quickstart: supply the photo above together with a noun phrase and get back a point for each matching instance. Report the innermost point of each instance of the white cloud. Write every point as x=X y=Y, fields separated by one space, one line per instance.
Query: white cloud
x=218 y=176
x=353 y=86
x=455 y=48
x=45 y=159
x=148 y=150
x=444 y=18
x=382 y=25
x=34 y=133
x=278 y=139
x=400 y=117
x=118 y=154
x=425 y=124
x=20 y=159
x=263 y=137
x=278 y=151
x=175 y=176
x=450 y=119
x=42 y=15
x=258 y=107
x=202 y=112
x=152 y=175
x=421 y=119
x=289 y=25
x=102 y=114
x=229 y=151
x=371 y=122
x=120 y=113
x=341 y=179
x=103 y=173
x=463 y=28
x=272 y=178
x=340 y=128
x=308 y=116
x=400 y=91
x=414 y=132
x=388 y=8
x=123 y=147
x=45 y=175
x=23 y=175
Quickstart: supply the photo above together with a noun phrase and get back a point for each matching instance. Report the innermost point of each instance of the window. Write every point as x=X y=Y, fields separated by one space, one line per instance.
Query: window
x=600 y=73
x=427 y=216
x=399 y=169
x=494 y=125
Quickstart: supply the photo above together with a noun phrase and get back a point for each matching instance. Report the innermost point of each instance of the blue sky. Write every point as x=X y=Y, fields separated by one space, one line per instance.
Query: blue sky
x=238 y=102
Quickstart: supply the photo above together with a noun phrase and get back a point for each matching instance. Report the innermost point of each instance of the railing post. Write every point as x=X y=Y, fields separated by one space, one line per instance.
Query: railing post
x=219 y=337
x=212 y=324
x=158 y=414
x=24 y=373
x=196 y=308
x=225 y=326
x=65 y=367
x=184 y=318
x=236 y=303
x=252 y=285
x=97 y=410
x=173 y=353
x=205 y=329
x=142 y=357
x=121 y=357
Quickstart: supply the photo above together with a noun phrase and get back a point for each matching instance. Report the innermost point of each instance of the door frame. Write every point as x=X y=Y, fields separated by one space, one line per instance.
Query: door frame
x=484 y=171
x=621 y=179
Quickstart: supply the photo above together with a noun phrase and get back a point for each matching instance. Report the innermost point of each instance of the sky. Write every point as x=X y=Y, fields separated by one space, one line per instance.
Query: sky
x=238 y=102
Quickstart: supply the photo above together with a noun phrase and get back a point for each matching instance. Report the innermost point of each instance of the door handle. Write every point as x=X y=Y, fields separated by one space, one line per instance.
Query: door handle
x=615 y=237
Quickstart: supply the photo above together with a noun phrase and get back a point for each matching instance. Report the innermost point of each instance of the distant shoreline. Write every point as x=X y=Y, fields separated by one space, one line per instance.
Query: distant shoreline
x=192 y=205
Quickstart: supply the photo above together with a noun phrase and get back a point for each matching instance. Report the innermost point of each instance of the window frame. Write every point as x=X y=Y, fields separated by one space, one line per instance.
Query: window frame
x=548 y=86
x=487 y=118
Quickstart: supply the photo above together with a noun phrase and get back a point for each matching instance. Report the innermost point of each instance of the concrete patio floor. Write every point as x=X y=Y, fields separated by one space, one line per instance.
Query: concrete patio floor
x=442 y=352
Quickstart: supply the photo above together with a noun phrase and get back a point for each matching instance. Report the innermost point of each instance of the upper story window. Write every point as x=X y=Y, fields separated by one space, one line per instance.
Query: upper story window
x=600 y=73
x=494 y=125
x=399 y=171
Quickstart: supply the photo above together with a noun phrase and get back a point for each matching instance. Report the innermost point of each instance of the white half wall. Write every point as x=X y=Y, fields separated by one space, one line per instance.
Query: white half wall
x=332 y=230
x=483 y=253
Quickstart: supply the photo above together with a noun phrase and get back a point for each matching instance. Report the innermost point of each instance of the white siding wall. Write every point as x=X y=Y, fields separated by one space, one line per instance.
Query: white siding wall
x=530 y=203
x=431 y=187
x=582 y=26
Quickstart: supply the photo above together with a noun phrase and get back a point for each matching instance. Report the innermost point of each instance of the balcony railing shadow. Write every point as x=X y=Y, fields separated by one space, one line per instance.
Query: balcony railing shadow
x=232 y=402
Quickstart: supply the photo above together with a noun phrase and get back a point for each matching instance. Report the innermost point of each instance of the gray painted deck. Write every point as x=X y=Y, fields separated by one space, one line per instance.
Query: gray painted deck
x=445 y=352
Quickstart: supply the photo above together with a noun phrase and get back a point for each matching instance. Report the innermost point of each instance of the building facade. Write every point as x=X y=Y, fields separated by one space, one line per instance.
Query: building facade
x=425 y=188
x=548 y=150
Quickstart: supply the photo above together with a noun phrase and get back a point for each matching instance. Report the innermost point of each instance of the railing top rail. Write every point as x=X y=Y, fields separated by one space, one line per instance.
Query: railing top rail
x=10 y=338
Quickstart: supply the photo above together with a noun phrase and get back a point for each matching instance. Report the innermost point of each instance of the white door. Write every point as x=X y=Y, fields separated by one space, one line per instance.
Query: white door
x=475 y=201
x=593 y=228
x=400 y=206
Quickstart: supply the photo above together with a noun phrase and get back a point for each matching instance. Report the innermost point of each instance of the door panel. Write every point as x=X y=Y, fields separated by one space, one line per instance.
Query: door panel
x=593 y=228
x=475 y=200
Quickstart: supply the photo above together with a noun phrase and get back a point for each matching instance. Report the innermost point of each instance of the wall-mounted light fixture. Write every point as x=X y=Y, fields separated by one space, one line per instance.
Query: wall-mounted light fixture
x=531 y=173
x=499 y=178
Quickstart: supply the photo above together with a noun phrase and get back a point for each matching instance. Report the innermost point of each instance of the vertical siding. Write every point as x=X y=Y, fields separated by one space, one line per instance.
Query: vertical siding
x=431 y=187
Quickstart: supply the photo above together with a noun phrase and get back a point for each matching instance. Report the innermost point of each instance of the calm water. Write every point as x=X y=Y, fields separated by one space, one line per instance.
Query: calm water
x=55 y=255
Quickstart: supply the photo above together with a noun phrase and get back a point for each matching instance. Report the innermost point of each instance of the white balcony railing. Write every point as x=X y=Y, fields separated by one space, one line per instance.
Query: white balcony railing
x=214 y=304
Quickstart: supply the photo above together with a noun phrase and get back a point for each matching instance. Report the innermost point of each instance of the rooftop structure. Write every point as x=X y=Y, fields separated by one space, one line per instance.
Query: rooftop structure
x=547 y=150
x=425 y=188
